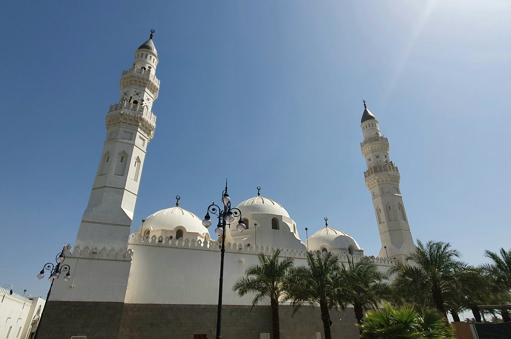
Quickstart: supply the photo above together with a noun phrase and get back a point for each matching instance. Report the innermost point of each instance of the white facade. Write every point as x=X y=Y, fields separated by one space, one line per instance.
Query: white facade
x=170 y=258
x=19 y=315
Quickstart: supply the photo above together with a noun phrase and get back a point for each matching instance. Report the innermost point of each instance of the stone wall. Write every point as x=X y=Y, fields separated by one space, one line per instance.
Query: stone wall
x=98 y=320
x=95 y=320
x=149 y=321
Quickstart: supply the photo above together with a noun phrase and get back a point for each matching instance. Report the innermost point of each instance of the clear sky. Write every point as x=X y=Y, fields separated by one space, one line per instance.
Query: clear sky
x=265 y=93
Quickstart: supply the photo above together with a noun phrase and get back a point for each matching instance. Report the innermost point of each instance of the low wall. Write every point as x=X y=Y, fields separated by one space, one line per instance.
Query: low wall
x=149 y=321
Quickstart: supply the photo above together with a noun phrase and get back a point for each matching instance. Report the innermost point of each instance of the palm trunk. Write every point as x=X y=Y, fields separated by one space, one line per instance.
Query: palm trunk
x=477 y=313
x=455 y=316
x=359 y=312
x=275 y=325
x=438 y=300
x=505 y=314
x=325 y=317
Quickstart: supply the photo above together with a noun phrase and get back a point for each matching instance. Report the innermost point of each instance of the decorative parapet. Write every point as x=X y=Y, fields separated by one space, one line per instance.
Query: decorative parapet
x=374 y=139
x=142 y=78
x=134 y=114
x=382 y=261
x=213 y=246
x=388 y=167
x=121 y=254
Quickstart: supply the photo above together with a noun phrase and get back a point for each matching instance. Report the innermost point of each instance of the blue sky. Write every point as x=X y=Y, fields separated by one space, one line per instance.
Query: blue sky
x=265 y=93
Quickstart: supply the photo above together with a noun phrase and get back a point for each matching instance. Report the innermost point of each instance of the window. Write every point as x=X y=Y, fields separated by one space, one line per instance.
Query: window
x=378 y=213
x=179 y=234
x=275 y=223
x=246 y=222
x=294 y=228
x=402 y=210
x=104 y=164
x=120 y=167
x=9 y=332
x=137 y=169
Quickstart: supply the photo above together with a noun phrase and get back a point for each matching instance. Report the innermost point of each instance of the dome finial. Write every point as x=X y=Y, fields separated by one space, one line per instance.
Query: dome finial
x=326 y=221
x=258 y=191
x=365 y=104
x=178 y=197
x=151 y=33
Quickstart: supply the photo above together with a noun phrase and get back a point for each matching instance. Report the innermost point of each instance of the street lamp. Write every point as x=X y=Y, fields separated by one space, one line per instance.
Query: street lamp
x=55 y=271
x=226 y=216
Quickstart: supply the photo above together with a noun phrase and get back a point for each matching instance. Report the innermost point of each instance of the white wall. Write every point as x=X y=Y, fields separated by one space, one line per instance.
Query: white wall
x=188 y=273
x=16 y=314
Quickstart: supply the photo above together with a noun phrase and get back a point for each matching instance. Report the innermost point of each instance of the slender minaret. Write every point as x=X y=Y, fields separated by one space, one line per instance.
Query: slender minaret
x=382 y=180
x=130 y=126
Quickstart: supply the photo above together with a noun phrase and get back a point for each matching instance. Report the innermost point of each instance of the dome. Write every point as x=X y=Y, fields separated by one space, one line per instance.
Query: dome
x=367 y=115
x=332 y=239
x=149 y=44
x=170 y=218
x=262 y=205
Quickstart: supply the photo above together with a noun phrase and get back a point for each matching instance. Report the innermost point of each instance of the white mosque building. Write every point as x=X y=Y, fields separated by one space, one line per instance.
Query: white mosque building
x=161 y=280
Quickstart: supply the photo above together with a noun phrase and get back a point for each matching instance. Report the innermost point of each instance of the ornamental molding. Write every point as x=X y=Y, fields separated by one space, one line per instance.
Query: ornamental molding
x=132 y=114
x=103 y=253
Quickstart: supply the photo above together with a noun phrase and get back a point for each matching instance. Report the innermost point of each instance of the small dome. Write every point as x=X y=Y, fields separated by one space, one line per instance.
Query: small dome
x=149 y=44
x=170 y=218
x=262 y=205
x=332 y=239
x=367 y=114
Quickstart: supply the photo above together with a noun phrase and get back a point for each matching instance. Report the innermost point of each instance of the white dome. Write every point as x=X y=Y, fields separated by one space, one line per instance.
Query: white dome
x=262 y=205
x=332 y=239
x=170 y=218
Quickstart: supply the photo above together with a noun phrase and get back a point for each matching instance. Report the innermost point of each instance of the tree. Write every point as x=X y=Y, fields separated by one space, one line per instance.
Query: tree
x=433 y=266
x=500 y=268
x=361 y=286
x=404 y=322
x=316 y=284
x=266 y=281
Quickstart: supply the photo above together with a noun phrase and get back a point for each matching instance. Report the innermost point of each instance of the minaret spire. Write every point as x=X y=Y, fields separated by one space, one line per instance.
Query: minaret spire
x=382 y=179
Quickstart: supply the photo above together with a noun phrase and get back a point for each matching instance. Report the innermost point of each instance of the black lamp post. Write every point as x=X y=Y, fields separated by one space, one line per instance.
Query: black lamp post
x=55 y=271
x=226 y=216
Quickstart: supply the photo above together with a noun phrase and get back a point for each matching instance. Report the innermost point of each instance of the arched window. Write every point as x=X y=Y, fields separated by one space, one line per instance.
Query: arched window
x=120 y=167
x=389 y=213
x=275 y=223
x=179 y=234
x=403 y=214
x=246 y=222
x=104 y=164
x=137 y=169
x=378 y=214
x=324 y=250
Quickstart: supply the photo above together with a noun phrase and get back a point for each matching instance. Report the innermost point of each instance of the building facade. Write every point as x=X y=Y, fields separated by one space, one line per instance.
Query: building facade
x=19 y=314
x=161 y=280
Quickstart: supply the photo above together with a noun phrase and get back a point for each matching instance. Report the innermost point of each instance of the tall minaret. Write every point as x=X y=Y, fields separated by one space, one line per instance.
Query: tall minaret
x=382 y=180
x=130 y=126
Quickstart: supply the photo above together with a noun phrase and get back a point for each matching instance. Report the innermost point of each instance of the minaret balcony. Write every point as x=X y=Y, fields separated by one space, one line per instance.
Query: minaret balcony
x=141 y=78
x=132 y=113
x=374 y=139
x=388 y=167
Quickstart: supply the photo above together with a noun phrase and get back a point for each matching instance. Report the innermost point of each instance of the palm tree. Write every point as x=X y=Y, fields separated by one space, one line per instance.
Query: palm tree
x=404 y=322
x=362 y=285
x=266 y=281
x=435 y=264
x=501 y=271
x=316 y=284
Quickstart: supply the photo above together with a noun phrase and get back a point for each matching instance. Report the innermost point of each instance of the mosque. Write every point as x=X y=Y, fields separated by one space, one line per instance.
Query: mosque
x=161 y=280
